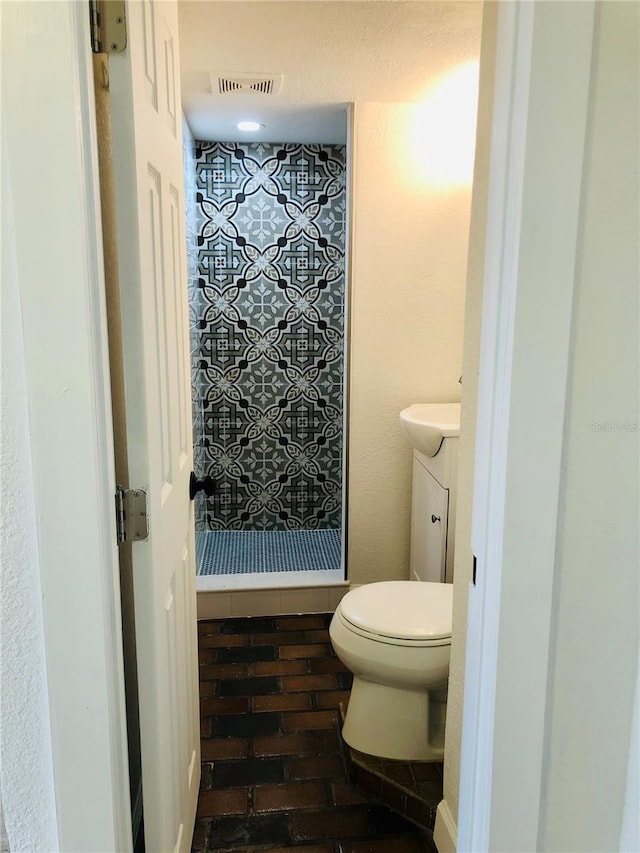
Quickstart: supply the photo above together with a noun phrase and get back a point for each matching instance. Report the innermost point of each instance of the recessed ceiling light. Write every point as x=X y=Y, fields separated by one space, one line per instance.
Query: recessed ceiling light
x=249 y=126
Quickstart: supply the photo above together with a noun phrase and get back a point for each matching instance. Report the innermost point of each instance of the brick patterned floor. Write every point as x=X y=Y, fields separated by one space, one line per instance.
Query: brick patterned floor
x=273 y=775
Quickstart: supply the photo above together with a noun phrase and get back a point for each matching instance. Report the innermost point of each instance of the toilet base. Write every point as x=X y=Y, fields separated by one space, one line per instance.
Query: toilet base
x=397 y=723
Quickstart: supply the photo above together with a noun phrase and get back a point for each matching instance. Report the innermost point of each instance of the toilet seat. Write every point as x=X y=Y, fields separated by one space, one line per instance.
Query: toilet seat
x=402 y=613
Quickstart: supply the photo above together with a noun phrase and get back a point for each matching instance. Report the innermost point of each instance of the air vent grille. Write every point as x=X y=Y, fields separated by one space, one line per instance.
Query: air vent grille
x=247 y=84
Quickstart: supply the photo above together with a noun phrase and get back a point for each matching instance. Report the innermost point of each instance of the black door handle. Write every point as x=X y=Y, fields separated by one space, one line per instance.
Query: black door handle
x=206 y=485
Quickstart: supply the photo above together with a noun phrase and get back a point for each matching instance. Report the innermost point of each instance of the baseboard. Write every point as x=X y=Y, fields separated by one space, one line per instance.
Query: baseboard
x=445 y=833
x=136 y=816
x=219 y=604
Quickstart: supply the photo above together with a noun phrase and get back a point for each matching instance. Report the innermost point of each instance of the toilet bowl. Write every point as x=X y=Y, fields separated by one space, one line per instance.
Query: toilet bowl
x=395 y=637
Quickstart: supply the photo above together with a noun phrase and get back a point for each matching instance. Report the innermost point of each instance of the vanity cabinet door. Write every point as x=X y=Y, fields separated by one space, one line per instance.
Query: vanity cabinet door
x=429 y=521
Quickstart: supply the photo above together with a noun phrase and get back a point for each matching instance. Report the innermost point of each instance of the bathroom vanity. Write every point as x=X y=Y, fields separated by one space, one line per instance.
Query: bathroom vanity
x=433 y=430
x=433 y=513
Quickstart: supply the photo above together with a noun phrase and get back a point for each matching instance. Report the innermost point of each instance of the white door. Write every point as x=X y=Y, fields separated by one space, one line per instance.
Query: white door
x=146 y=120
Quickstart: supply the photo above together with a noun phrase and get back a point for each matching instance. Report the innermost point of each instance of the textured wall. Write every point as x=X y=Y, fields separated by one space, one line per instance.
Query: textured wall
x=270 y=333
x=26 y=773
x=597 y=599
x=409 y=253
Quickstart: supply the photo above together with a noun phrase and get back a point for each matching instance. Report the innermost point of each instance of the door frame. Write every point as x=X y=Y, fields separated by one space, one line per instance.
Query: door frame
x=539 y=124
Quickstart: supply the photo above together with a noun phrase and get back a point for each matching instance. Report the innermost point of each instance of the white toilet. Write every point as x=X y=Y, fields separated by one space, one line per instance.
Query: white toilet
x=395 y=636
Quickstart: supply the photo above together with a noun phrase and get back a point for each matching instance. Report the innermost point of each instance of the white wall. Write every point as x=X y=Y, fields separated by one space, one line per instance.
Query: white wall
x=595 y=647
x=580 y=751
x=409 y=250
x=26 y=770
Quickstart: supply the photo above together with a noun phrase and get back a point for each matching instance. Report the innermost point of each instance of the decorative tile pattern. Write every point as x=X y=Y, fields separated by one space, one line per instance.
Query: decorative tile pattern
x=268 y=334
x=238 y=552
x=195 y=302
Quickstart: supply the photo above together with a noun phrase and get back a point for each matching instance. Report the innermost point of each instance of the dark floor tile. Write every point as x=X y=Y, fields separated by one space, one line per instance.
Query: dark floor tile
x=248 y=625
x=208 y=689
x=406 y=844
x=280 y=702
x=305 y=720
x=208 y=645
x=431 y=792
x=223 y=670
x=291 y=795
x=292 y=744
x=387 y=822
x=233 y=801
x=231 y=705
x=246 y=654
x=330 y=824
x=309 y=650
x=280 y=667
x=394 y=797
x=369 y=762
x=213 y=749
x=425 y=771
x=249 y=686
x=400 y=772
x=206 y=769
x=279 y=638
x=315 y=766
x=421 y=812
x=368 y=782
x=344 y=794
x=228 y=833
x=332 y=699
x=301 y=623
x=320 y=665
x=293 y=683
x=330 y=742
x=345 y=680
x=200 y=842
x=299 y=795
x=319 y=636
x=306 y=848
x=250 y=771
x=245 y=725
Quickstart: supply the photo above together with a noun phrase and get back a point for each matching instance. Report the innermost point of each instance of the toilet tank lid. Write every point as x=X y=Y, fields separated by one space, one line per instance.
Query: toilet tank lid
x=406 y=610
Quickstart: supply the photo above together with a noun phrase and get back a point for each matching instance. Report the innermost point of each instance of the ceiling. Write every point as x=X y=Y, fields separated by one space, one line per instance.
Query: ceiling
x=326 y=53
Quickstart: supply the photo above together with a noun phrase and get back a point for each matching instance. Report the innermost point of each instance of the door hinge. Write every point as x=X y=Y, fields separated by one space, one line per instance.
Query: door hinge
x=108 y=26
x=132 y=522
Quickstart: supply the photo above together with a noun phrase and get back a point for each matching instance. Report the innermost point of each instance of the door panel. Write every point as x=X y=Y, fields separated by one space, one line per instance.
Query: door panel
x=150 y=220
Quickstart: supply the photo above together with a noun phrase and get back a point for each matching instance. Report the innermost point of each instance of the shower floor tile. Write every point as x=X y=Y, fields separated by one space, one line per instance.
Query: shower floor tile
x=242 y=552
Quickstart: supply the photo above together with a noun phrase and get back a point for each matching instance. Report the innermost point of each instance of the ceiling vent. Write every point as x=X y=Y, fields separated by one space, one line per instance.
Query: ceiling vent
x=238 y=84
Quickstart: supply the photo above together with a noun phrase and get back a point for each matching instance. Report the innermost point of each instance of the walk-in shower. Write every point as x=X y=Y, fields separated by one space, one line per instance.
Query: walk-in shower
x=267 y=308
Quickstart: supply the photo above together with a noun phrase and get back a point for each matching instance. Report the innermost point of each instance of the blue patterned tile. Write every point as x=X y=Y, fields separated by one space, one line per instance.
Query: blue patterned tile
x=266 y=320
x=236 y=552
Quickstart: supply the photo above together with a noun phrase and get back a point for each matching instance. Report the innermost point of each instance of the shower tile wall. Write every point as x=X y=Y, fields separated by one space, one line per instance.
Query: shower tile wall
x=195 y=310
x=268 y=329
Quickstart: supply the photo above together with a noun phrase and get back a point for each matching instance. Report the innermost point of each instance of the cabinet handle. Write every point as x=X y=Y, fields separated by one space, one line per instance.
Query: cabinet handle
x=435 y=518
